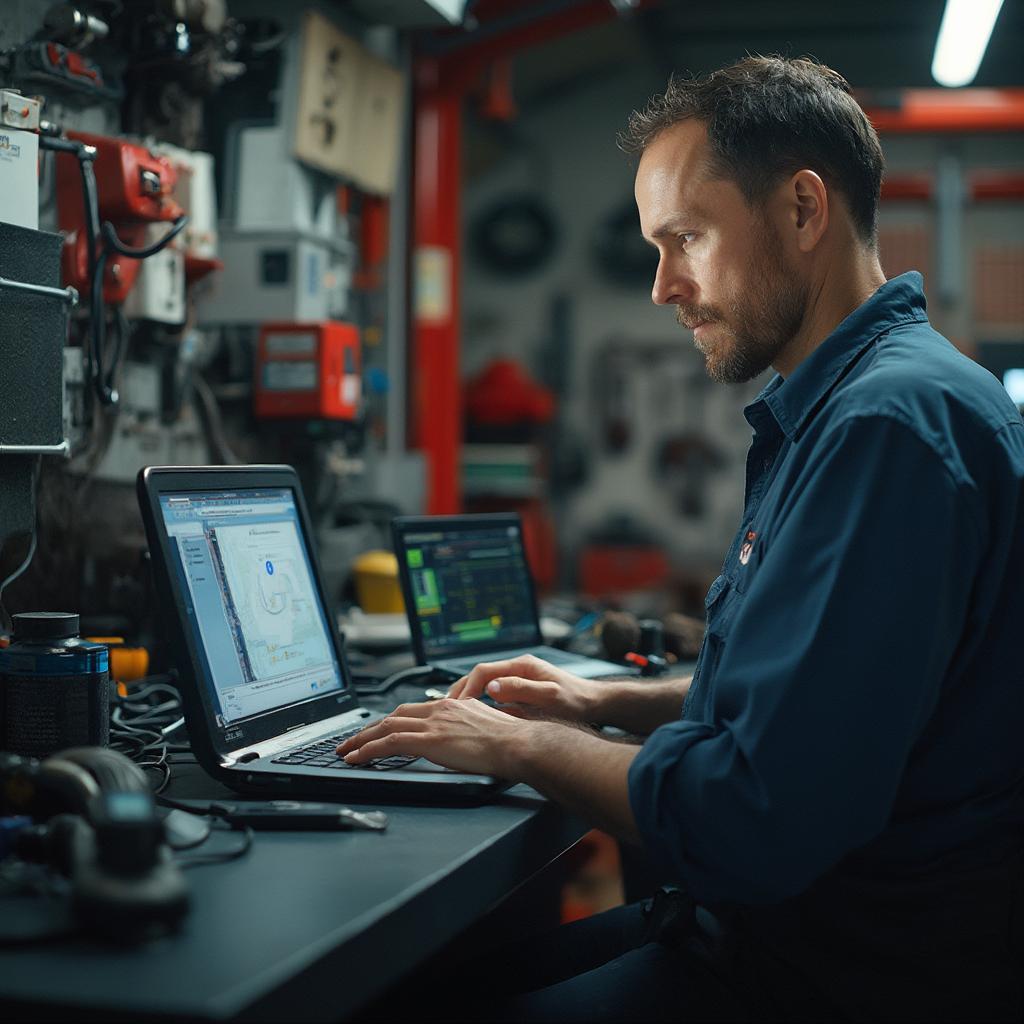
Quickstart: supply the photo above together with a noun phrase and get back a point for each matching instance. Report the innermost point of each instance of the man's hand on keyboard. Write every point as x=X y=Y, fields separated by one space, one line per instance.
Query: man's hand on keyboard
x=462 y=734
x=529 y=687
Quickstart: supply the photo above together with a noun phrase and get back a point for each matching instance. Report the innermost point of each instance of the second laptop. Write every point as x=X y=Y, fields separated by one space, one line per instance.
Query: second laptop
x=470 y=597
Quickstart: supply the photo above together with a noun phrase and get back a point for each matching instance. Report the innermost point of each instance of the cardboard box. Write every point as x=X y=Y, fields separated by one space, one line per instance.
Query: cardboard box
x=350 y=108
x=324 y=123
x=376 y=140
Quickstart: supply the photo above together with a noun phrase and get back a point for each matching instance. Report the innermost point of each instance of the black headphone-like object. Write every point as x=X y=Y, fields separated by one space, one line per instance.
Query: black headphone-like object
x=96 y=822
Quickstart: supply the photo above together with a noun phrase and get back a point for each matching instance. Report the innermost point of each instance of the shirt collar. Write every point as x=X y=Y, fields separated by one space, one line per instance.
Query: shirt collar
x=793 y=400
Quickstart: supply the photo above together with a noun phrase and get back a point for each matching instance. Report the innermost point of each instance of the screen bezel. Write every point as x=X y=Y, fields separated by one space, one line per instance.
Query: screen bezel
x=401 y=526
x=196 y=684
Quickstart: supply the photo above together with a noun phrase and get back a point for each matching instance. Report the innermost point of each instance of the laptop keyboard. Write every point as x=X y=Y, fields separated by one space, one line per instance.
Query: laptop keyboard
x=321 y=754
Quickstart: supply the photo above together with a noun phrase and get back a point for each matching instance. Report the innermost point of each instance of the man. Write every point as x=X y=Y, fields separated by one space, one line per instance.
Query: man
x=840 y=793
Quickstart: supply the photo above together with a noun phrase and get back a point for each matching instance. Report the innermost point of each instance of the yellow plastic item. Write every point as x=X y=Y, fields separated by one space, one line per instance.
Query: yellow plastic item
x=126 y=663
x=377 y=587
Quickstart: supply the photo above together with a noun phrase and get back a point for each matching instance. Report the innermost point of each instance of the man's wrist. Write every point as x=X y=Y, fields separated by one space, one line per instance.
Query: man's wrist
x=607 y=699
x=580 y=769
x=639 y=706
x=529 y=760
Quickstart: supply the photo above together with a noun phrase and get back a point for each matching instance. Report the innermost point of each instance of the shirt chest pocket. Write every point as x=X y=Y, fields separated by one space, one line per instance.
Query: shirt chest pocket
x=720 y=606
x=719 y=610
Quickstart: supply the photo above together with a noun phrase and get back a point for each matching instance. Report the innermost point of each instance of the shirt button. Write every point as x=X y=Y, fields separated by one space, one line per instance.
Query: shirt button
x=767 y=464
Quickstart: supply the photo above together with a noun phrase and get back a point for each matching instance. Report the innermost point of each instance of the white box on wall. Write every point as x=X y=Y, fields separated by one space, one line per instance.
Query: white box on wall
x=276 y=276
x=19 y=178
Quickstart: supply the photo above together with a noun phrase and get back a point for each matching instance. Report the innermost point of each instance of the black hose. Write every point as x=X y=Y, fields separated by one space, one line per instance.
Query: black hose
x=100 y=243
x=106 y=375
x=98 y=325
x=113 y=243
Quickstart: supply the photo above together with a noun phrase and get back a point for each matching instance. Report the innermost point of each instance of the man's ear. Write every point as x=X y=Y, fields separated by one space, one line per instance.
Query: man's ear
x=809 y=210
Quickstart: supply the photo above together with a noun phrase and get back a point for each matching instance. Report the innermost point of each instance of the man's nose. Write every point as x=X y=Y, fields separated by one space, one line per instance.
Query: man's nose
x=672 y=286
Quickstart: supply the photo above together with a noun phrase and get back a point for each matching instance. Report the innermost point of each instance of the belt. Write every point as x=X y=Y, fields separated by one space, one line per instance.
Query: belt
x=671 y=916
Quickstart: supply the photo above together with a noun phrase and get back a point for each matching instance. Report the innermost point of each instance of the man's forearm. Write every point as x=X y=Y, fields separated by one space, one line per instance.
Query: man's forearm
x=640 y=706
x=583 y=772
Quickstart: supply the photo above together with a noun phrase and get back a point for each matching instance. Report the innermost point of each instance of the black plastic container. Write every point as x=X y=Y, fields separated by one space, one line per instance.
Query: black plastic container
x=54 y=688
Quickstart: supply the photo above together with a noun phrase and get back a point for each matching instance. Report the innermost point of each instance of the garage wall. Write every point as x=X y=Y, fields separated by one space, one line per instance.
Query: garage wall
x=565 y=152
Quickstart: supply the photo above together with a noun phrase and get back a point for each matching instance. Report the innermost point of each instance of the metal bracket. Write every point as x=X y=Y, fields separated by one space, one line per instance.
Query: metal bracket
x=64 y=448
x=68 y=295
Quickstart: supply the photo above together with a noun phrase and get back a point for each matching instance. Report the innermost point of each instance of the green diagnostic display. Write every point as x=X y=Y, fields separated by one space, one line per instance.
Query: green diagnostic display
x=478 y=629
x=428 y=600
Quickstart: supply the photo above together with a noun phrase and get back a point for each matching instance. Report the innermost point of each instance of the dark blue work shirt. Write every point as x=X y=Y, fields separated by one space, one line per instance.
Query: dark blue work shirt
x=858 y=704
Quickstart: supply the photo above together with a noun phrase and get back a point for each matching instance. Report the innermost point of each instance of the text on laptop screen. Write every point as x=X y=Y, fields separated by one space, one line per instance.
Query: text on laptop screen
x=252 y=602
x=471 y=588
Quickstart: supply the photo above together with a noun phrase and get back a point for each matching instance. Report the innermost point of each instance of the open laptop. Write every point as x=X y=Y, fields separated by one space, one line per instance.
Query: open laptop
x=262 y=673
x=469 y=595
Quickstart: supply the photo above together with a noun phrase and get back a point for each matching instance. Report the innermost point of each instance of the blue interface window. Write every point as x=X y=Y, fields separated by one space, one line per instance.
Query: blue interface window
x=252 y=601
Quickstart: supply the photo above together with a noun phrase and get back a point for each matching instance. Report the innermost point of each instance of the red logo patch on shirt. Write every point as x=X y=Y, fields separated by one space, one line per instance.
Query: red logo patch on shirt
x=748 y=547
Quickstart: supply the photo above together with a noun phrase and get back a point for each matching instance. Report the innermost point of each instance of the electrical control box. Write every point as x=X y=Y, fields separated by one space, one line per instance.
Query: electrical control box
x=308 y=371
x=279 y=276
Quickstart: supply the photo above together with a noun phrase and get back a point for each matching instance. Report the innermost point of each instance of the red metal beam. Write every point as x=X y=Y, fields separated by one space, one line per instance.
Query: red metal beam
x=945 y=111
x=981 y=188
x=461 y=69
x=912 y=187
x=435 y=379
x=998 y=186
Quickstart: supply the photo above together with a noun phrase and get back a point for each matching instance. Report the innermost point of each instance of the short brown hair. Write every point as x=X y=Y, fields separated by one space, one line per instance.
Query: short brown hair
x=768 y=117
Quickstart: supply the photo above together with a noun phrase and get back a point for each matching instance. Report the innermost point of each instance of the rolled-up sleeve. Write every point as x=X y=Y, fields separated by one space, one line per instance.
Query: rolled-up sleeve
x=832 y=664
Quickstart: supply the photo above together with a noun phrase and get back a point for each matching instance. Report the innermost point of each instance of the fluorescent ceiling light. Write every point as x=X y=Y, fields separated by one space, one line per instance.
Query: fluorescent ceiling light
x=454 y=10
x=963 y=37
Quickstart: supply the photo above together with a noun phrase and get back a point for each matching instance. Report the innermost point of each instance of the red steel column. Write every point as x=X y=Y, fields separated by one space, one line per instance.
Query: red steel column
x=435 y=383
x=435 y=379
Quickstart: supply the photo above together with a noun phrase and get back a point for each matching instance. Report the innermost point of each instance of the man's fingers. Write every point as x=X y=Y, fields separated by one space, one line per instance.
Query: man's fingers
x=525 y=666
x=395 y=722
x=417 y=709
x=473 y=685
x=392 y=744
x=455 y=690
x=515 y=690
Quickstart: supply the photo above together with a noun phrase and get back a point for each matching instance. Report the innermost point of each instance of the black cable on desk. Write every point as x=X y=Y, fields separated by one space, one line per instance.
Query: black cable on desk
x=384 y=685
x=139 y=727
x=201 y=859
x=220 y=857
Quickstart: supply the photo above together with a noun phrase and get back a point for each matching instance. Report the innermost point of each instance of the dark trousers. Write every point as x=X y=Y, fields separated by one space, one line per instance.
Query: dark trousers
x=866 y=954
x=603 y=968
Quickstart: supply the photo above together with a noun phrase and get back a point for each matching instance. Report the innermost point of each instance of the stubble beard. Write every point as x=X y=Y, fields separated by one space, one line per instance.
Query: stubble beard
x=757 y=326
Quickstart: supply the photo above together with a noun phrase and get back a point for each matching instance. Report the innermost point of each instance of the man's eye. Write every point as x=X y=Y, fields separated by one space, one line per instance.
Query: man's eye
x=686 y=237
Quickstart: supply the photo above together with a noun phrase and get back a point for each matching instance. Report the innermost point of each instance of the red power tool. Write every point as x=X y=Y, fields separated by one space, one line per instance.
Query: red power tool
x=133 y=188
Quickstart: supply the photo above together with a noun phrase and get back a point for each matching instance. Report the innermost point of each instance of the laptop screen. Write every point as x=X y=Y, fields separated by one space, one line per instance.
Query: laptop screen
x=471 y=588
x=251 y=599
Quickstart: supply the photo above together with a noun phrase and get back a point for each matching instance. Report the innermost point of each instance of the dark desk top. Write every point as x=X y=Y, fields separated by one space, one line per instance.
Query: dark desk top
x=308 y=925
